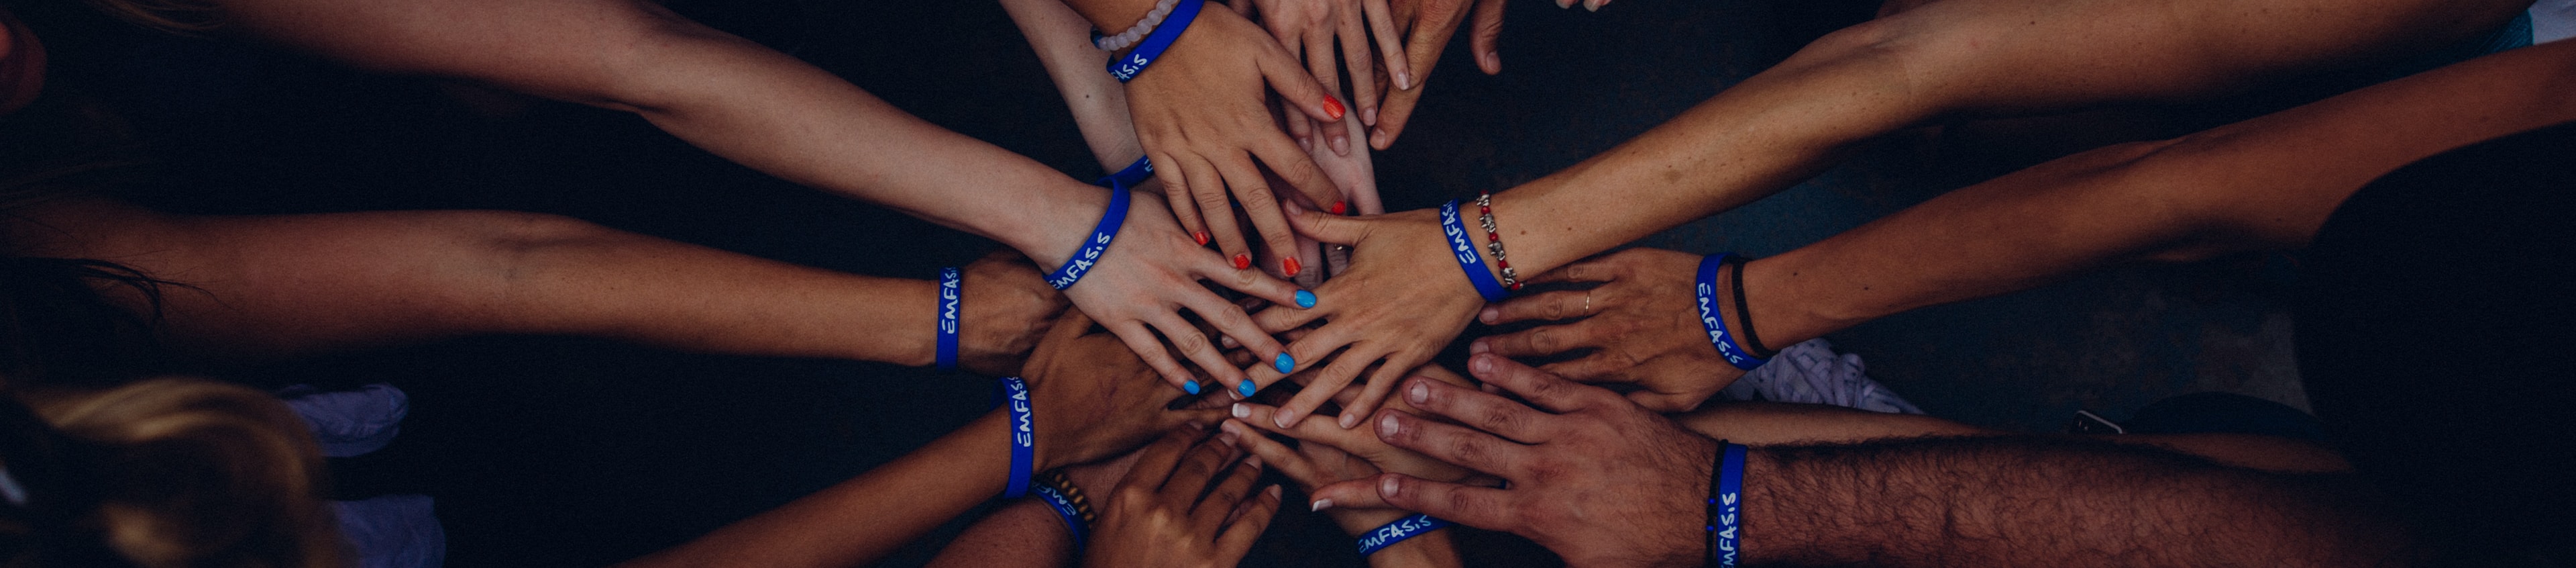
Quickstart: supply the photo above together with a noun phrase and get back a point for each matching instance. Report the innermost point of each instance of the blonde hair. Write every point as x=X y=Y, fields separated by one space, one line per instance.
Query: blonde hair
x=190 y=472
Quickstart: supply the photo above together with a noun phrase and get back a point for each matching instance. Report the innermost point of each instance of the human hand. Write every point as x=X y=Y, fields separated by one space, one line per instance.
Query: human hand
x=1359 y=443
x=1156 y=517
x=1201 y=112
x=1089 y=398
x=1427 y=26
x=1310 y=28
x=1006 y=309
x=1149 y=273
x=1591 y=476
x=1402 y=300
x=1641 y=323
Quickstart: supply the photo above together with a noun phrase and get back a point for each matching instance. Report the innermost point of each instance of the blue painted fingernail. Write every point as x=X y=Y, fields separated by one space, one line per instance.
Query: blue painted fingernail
x=1305 y=299
x=1285 y=364
x=1191 y=387
x=1247 y=387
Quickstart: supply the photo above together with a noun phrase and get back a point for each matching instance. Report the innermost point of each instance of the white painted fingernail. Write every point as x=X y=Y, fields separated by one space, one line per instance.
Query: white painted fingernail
x=1241 y=411
x=1322 y=504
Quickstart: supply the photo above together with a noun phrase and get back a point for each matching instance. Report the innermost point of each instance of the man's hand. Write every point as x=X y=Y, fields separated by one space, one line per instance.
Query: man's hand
x=1592 y=476
x=1093 y=399
x=1641 y=324
x=1005 y=312
x=1185 y=503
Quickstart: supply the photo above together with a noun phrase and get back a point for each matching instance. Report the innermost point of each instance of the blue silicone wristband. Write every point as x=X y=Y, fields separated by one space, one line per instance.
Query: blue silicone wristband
x=1089 y=254
x=1126 y=68
x=1725 y=507
x=1468 y=259
x=1397 y=531
x=1024 y=440
x=1135 y=173
x=1064 y=508
x=1715 y=322
x=950 y=300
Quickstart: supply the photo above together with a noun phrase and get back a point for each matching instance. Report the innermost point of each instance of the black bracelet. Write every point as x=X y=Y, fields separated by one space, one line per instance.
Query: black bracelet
x=1744 y=312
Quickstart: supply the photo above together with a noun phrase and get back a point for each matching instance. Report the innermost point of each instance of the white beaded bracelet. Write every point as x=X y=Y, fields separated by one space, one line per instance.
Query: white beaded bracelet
x=1128 y=38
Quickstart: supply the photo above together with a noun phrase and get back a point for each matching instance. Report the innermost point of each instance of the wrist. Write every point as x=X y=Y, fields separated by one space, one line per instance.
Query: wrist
x=920 y=349
x=1358 y=522
x=1112 y=15
x=1052 y=231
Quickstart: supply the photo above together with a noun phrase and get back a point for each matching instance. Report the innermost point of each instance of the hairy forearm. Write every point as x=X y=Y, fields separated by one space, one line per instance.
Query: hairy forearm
x=2262 y=184
x=1789 y=424
x=861 y=520
x=2050 y=502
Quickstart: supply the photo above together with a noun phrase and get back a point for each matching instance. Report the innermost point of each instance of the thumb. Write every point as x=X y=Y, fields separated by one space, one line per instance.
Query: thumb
x=1334 y=229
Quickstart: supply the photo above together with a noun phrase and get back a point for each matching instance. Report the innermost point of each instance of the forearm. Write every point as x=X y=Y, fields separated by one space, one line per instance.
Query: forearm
x=1098 y=101
x=1026 y=533
x=1950 y=58
x=863 y=519
x=1785 y=424
x=2266 y=183
x=2050 y=502
x=279 y=286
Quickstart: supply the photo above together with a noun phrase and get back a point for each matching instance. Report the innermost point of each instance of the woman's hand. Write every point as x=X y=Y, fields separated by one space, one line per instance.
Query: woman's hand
x=1355 y=443
x=1090 y=399
x=1157 y=517
x=1311 y=29
x=1203 y=114
x=1150 y=273
x=1403 y=299
x=1641 y=324
x=1005 y=311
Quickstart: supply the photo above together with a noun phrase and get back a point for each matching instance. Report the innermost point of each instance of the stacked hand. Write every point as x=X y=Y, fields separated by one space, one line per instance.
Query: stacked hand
x=1186 y=502
x=1150 y=273
x=1591 y=476
x=1641 y=324
x=1091 y=398
x=1403 y=299
x=1005 y=312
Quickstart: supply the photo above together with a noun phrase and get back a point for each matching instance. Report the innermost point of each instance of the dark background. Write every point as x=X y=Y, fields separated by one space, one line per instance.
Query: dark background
x=548 y=451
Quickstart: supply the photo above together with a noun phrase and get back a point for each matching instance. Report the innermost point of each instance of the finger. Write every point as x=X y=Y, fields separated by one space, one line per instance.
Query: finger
x=1463 y=504
x=1430 y=35
x=1352 y=29
x=1191 y=472
x=1667 y=403
x=1301 y=172
x=1247 y=526
x=1149 y=348
x=1290 y=80
x=1319 y=61
x=1266 y=418
x=1208 y=192
x=1393 y=111
x=1488 y=30
x=1476 y=409
x=1154 y=463
x=1542 y=389
x=1374 y=392
x=1599 y=367
x=1258 y=284
x=1595 y=269
x=1333 y=229
x=1195 y=346
x=1278 y=456
x=1231 y=321
x=1321 y=386
x=1253 y=191
x=1300 y=128
x=1224 y=495
x=1176 y=192
x=1541 y=341
x=1391 y=48
x=1276 y=319
x=1459 y=445
x=1545 y=306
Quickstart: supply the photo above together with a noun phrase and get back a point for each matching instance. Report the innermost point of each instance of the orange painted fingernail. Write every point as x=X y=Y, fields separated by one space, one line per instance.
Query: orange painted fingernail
x=1242 y=261
x=1202 y=236
x=1290 y=265
x=1339 y=207
x=1332 y=107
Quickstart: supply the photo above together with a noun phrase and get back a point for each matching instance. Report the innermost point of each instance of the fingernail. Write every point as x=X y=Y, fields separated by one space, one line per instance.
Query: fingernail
x=1286 y=419
x=1386 y=487
x=1202 y=236
x=1253 y=462
x=1489 y=315
x=1404 y=80
x=1291 y=266
x=1305 y=299
x=1377 y=138
x=1482 y=364
x=1306 y=143
x=1285 y=364
x=1332 y=107
x=1479 y=346
x=1386 y=427
x=1341 y=145
x=1227 y=436
x=1241 y=411
x=1322 y=504
x=1369 y=116
x=1228 y=341
x=1418 y=393
x=1494 y=61
x=1191 y=387
x=1341 y=208
x=1348 y=420
x=1247 y=387
x=1242 y=261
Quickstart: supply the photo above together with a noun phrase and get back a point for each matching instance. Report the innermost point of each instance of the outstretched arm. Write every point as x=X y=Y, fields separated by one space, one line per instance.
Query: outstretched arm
x=277 y=286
